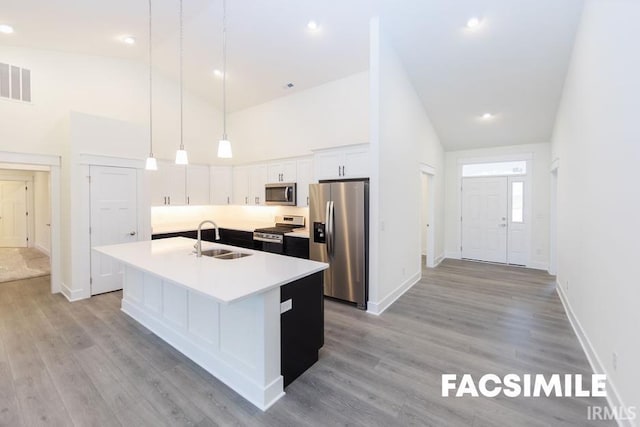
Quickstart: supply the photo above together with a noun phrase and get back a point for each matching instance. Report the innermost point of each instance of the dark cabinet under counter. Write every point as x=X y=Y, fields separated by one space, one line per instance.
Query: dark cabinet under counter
x=296 y=247
x=301 y=325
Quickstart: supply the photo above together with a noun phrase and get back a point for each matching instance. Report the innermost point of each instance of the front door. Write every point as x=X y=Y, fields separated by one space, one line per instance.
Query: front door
x=113 y=220
x=484 y=219
x=13 y=214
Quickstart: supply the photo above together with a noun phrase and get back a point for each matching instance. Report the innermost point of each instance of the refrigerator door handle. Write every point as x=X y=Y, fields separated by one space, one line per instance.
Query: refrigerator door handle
x=331 y=237
x=327 y=222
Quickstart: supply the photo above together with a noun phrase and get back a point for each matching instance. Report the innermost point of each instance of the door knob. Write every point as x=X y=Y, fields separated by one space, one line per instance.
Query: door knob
x=133 y=233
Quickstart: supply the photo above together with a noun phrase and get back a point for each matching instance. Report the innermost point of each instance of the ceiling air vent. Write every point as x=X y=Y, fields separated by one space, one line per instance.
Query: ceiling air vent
x=15 y=83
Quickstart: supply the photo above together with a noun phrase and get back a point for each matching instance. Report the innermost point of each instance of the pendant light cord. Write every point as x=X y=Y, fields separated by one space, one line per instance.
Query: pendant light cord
x=181 y=102
x=150 y=88
x=224 y=69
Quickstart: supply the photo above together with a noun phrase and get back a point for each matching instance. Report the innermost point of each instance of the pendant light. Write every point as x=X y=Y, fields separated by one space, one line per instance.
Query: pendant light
x=181 y=153
x=151 y=163
x=224 y=146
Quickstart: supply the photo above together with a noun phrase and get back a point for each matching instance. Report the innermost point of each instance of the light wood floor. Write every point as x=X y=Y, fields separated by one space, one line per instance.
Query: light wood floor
x=87 y=363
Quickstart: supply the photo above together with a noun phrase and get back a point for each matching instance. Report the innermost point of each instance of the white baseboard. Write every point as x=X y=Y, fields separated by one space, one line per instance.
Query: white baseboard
x=72 y=294
x=613 y=398
x=438 y=260
x=453 y=255
x=538 y=266
x=43 y=249
x=378 y=308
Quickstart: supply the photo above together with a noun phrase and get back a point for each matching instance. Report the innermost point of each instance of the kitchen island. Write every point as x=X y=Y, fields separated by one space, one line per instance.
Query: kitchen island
x=223 y=313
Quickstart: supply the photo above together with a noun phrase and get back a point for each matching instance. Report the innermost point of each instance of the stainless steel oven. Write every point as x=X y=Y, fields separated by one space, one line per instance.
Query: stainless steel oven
x=280 y=194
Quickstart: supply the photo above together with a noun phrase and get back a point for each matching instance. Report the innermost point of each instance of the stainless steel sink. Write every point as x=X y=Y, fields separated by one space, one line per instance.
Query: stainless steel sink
x=224 y=254
x=233 y=255
x=216 y=252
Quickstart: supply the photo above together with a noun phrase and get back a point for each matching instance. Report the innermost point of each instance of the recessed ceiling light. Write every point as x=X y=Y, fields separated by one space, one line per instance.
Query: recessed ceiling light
x=129 y=40
x=218 y=73
x=6 y=29
x=313 y=26
x=473 y=22
x=487 y=116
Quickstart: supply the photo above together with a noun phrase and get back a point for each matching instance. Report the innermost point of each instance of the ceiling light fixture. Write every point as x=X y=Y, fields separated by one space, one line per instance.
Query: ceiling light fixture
x=224 y=146
x=151 y=163
x=487 y=116
x=181 y=154
x=218 y=73
x=6 y=29
x=313 y=26
x=130 y=40
x=473 y=22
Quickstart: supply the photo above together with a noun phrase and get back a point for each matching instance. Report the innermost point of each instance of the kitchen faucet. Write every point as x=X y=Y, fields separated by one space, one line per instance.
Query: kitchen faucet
x=198 y=245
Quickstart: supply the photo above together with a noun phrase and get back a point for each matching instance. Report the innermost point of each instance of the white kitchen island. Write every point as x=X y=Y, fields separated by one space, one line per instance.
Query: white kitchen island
x=224 y=314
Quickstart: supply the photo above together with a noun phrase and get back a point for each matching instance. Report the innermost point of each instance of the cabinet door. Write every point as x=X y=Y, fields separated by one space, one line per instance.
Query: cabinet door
x=274 y=172
x=197 y=185
x=327 y=165
x=305 y=177
x=258 y=181
x=175 y=183
x=157 y=187
x=241 y=185
x=289 y=171
x=221 y=185
x=356 y=163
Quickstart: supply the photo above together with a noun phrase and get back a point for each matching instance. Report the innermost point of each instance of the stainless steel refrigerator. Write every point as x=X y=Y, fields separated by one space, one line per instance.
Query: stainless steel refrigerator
x=339 y=219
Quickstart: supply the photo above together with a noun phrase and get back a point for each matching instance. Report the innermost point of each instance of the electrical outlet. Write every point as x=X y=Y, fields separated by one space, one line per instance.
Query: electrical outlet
x=614 y=360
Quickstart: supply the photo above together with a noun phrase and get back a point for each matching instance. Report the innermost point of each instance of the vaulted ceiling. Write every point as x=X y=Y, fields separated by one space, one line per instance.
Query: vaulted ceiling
x=512 y=65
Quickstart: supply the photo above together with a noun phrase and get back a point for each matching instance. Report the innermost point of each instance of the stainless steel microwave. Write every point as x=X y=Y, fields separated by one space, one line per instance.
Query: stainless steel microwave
x=282 y=193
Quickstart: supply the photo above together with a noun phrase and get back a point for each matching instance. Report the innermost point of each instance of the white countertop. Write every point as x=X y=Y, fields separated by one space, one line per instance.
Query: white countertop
x=224 y=280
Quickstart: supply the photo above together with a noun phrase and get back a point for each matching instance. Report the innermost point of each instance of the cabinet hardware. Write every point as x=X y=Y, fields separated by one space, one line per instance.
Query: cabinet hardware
x=246 y=200
x=188 y=202
x=169 y=199
x=133 y=233
x=307 y=200
x=227 y=199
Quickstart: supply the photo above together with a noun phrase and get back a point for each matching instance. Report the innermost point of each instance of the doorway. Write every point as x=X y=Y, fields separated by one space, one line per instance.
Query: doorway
x=13 y=214
x=114 y=217
x=495 y=213
x=43 y=223
x=427 y=215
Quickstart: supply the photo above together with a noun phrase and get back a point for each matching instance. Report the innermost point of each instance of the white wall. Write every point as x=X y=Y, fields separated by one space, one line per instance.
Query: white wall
x=597 y=144
x=329 y=115
x=539 y=179
x=402 y=137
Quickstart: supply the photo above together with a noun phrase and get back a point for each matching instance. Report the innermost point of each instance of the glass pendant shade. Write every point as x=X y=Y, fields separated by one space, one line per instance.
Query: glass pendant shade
x=151 y=164
x=224 y=149
x=181 y=157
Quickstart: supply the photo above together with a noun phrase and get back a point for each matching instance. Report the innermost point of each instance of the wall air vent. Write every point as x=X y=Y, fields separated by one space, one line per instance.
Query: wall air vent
x=15 y=83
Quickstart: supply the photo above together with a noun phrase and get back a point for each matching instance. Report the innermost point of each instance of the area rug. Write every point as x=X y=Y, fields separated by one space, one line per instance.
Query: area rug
x=22 y=263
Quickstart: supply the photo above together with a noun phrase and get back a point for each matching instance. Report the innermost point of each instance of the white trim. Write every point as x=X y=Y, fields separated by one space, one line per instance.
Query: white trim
x=613 y=398
x=555 y=164
x=97 y=160
x=378 y=308
x=42 y=249
x=438 y=260
x=31 y=159
x=453 y=255
x=538 y=266
x=498 y=158
x=72 y=294
x=428 y=169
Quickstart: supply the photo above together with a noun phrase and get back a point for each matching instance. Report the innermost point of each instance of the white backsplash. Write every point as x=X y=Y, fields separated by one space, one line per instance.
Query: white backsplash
x=169 y=218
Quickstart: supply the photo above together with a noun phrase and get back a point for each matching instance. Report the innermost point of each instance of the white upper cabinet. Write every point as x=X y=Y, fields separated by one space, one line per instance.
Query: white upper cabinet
x=168 y=184
x=342 y=163
x=241 y=185
x=258 y=181
x=304 y=178
x=221 y=185
x=282 y=171
x=197 y=185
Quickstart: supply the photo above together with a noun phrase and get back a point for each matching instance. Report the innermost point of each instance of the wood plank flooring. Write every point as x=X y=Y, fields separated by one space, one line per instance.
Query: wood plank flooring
x=86 y=363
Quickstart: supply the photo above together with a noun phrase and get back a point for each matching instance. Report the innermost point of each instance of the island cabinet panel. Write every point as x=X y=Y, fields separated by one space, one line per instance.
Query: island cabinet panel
x=301 y=325
x=238 y=342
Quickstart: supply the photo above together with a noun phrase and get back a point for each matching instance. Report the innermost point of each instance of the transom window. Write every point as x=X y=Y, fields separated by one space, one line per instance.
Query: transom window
x=495 y=169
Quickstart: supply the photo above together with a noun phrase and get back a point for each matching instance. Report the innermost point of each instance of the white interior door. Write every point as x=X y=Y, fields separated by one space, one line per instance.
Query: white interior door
x=13 y=214
x=484 y=219
x=113 y=220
